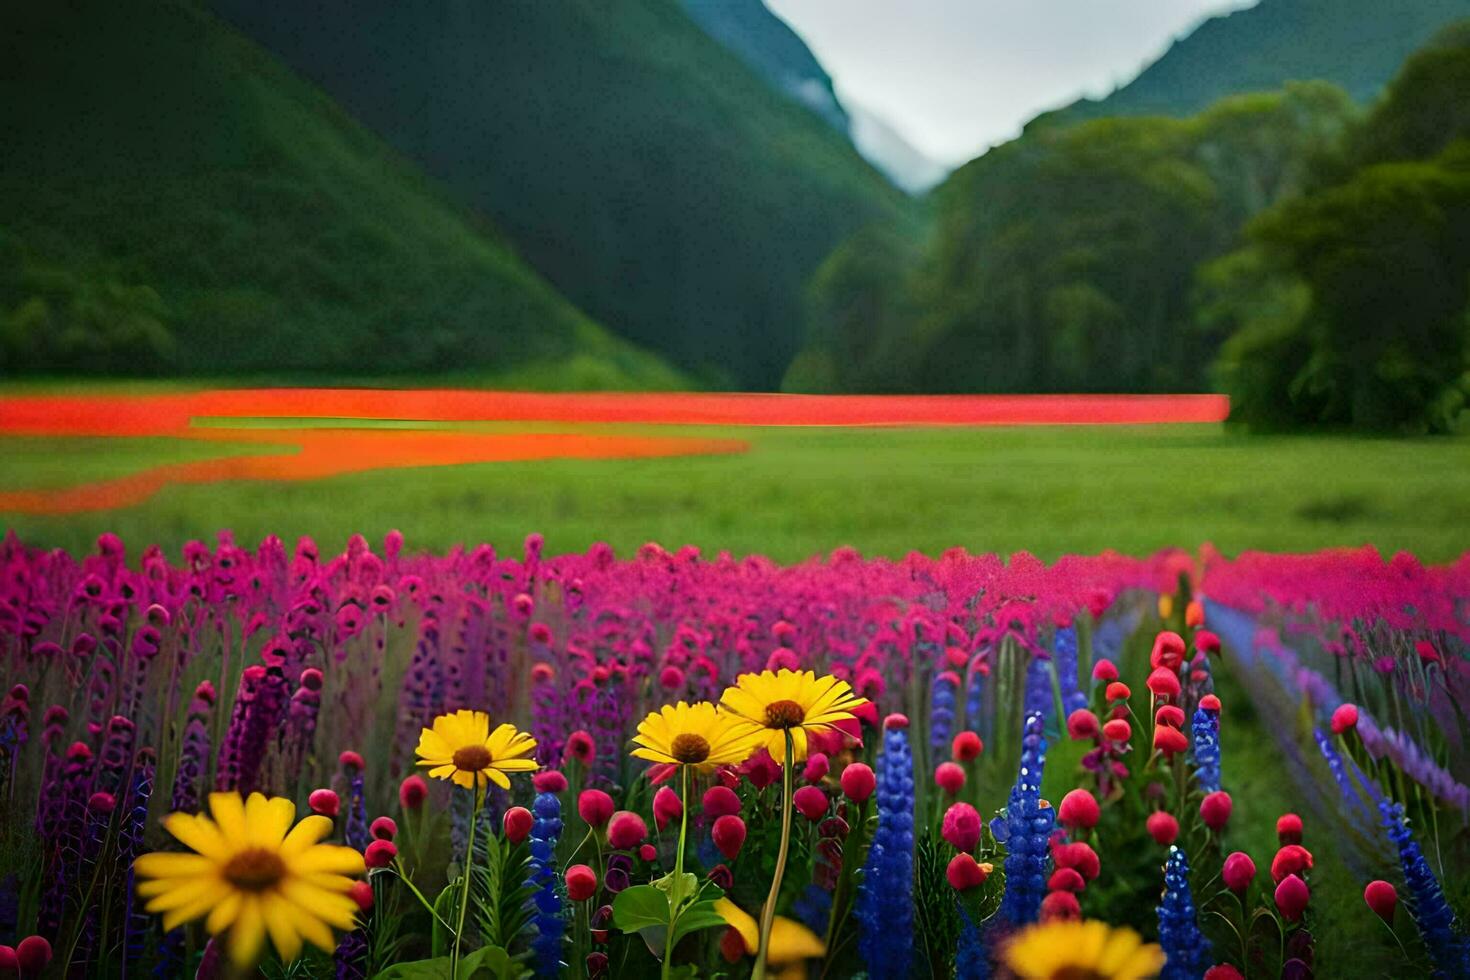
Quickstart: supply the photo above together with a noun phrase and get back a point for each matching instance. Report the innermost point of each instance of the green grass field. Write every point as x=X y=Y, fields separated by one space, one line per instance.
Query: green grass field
x=801 y=491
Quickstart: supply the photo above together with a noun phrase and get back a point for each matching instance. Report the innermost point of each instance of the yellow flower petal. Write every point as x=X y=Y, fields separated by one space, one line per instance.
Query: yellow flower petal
x=247 y=935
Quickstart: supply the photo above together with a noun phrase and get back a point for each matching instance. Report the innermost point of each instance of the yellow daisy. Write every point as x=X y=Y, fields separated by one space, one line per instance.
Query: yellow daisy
x=462 y=747
x=253 y=874
x=789 y=700
x=792 y=943
x=1088 y=950
x=695 y=735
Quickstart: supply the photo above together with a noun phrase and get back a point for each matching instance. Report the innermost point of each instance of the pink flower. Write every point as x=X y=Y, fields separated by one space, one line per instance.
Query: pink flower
x=964 y=872
x=1079 y=809
x=720 y=801
x=1082 y=725
x=1239 y=872
x=961 y=827
x=1162 y=827
x=817 y=767
x=667 y=807
x=1214 y=809
x=1344 y=719
x=1164 y=683
x=1291 y=897
x=1104 y=670
x=582 y=747
x=966 y=746
x=550 y=781
x=517 y=824
x=1060 y=907
x=858 y=782
x=412 y=792
x=384 y=828
x=1289 y=829
x=811 y=802
x=626 y=830
x=380 y=854
x=949 y=777
x=581 y=882
x=728 y=834
x=1382 y=898
x=595 y=807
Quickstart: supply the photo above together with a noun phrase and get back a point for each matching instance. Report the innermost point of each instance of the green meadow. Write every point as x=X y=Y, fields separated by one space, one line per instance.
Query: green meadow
x=801 y=491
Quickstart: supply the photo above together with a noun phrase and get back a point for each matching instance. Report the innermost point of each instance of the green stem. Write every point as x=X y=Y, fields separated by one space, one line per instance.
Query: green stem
x=397 y=869
x=469 y=860
x=676 y=890
x=768 y=913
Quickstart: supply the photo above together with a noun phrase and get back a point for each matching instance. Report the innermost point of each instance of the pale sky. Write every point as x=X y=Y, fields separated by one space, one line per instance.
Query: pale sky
x=958 y=76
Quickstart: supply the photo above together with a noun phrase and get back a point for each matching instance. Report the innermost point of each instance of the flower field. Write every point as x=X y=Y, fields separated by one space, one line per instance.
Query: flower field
x=283 y=761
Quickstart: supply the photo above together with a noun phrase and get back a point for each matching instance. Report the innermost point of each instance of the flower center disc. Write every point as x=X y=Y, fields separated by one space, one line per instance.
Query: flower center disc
x=255 y=870
x=689 y=748
x=472 y=758
x=784 y=714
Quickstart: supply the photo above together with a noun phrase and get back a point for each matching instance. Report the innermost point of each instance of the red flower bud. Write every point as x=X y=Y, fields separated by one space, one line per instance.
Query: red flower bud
x=1292 y=859
x=1170 y=741
x=384 y=828
x=1082 y=724
x=1104 y=670
x=1162 y=827
x=350 y=760
x=728 y=834
x=1344 y=719
x=648 y=853
x=895 y=721
x=362 y=893
x=720 y=800
x=949 y=777
x=1382 y=898
x=1239 y=872
x=1168 y=651
x=626 y=830
x=1210 y=703
x=811 y=802
x=550 y=781
x=324 y=802
x=1291 y=897
x=1118 y=730
x=858 y=782
x=1117 y=691
x=967 y=746
x=595 y=807
x=380 y=854
x=412 y=792
x=667 y=807
x=581 y=882
x=1223 y=971
x=1079 y=809
x=1164 y=683
x=1214 y=809
x=1060 y=907
x=33 y=955
x=517 y=824
x=964 y=873
x=1206 y=642
x=1066 y=880
x=1289 y=829
x=961 y=827
x=1078 y=855
x=817 y=767
x=1171 y=715
x=1194 y=614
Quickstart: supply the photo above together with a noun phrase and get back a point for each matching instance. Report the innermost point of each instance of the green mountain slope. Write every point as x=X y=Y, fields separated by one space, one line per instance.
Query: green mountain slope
x=173 y=200
x=1355 y=44
x=647 y=172
x=1065 y=260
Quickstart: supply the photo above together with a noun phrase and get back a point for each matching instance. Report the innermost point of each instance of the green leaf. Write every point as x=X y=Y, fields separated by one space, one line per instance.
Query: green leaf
x=485 y=963
x=640 y=907
x=444 y=907
x=700 y=915
x=677 y=891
